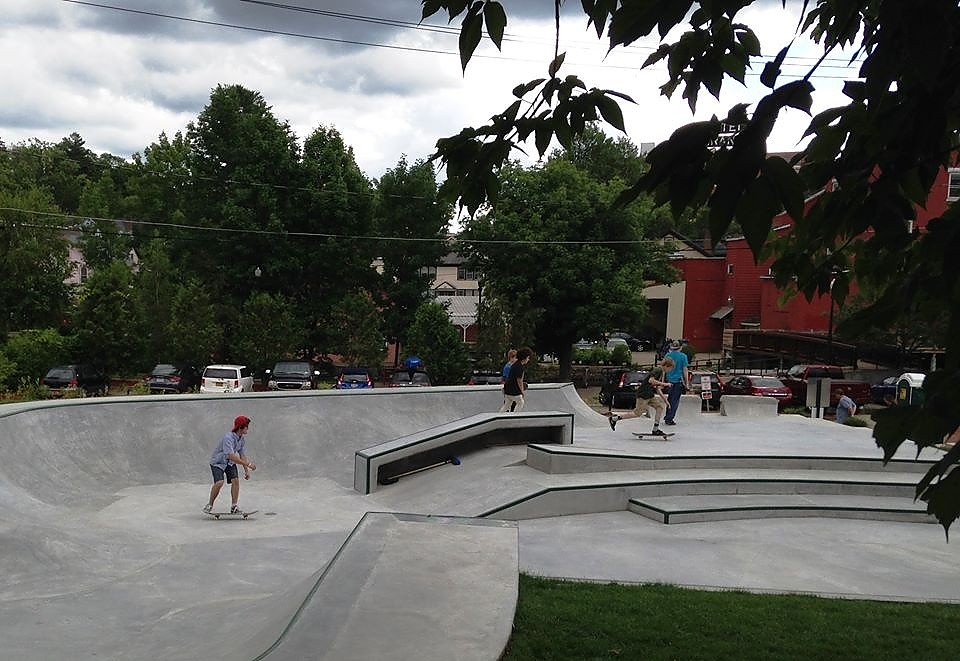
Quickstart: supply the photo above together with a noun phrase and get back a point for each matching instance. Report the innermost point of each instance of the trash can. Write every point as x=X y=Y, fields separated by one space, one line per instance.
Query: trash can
x=910 y=389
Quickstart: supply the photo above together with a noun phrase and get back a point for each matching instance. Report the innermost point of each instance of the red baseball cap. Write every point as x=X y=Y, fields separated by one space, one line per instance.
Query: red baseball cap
x=240 y=421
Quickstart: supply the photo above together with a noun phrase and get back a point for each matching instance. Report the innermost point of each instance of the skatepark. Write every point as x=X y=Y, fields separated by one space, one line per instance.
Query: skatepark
x=105 y=554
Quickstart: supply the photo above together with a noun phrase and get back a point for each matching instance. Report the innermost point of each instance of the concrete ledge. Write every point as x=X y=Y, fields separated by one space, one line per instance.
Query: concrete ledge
x=404 y=587
x=698 y=509
x=614 y=496
x=384 y=463
x=748 y=406
x=569 y=459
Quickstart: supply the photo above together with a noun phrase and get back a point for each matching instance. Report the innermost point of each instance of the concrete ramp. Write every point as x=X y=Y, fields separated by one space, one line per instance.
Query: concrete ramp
x=402 y=584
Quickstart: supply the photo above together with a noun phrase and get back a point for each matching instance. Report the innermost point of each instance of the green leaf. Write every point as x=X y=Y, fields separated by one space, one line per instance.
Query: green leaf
x=521 y=91
x=610 y=111
x=430 y=7
x=755 y=211
x=470 y=34
x=771 y=70
x=495 y=19
x=789 y=185
x=749 y=40
x=543 y=136
x=556 y=64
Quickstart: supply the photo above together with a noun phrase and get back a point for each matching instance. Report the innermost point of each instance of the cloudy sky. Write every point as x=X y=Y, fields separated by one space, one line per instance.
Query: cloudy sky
x=120 y=72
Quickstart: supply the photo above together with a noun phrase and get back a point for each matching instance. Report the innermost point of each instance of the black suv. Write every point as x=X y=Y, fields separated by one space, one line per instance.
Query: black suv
x=292 y=375
x=620 y=388
x=86 y=378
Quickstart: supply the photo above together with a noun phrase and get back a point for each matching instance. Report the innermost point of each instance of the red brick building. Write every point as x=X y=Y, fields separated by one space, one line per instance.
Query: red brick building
x=725 y=288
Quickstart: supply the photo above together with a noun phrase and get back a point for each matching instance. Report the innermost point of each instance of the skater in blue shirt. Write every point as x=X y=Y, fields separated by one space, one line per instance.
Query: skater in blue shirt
x=230 y=451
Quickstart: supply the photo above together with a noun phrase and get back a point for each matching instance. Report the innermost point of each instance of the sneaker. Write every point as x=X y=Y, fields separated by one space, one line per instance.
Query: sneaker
x=235 y=510
x=207 y=509
x=614 y=419
x=658 y=432
x=669 y=422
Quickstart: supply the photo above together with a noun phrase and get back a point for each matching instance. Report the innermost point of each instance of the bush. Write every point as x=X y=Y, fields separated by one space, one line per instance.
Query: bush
x=36 y=351
x=853 y=421
x=31 y=389
x=621 y=356
x=689 y=351
x=8 y=373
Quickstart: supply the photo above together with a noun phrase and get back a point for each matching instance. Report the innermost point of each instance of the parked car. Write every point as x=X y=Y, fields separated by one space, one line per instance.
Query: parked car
x=620 y=388
x=798 y=376
x=86 y=379
x=716 y=387
x=760 y=386
x=409 y=378
x=226 y=378
x=615 y=342
x=885 y=392
x=485 y=378
x=352 y=378
x=292 y=375
x=634 y=343
x=167 y=377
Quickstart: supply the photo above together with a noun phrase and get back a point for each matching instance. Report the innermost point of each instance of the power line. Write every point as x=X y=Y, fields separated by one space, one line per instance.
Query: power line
x=370 y=44
x=307 y=235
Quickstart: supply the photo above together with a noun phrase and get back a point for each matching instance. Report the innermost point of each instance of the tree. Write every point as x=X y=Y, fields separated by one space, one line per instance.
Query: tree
x=334 y=199
x=408 y=211
x=359 y=338
x=35 y=263
x=434 y=338
x=552 y=247
x=877 y=159
x=194 y=328
x=267 y=329
x=108 y=320
x=242 y=162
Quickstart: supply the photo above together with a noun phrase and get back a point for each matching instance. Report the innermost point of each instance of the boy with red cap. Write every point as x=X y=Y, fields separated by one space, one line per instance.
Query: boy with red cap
x=230 y=451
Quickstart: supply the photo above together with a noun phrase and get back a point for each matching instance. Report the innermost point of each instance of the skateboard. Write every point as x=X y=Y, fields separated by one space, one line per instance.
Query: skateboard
x=228 y=515
x=662 y=437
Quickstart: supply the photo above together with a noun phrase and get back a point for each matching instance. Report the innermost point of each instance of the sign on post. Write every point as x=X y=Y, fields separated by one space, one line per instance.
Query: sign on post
x=706 y=388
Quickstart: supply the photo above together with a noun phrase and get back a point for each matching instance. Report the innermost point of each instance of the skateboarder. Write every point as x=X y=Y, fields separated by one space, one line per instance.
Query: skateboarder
x=514 y=386
x=230 y=451
x=649 y=394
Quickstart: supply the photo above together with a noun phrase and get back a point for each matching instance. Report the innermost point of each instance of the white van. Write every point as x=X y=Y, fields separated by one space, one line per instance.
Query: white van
x=227 y=378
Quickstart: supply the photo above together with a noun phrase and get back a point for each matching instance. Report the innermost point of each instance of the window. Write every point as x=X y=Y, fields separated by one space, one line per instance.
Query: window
x=430 y=271
x=953 y=185
x=729 y=269
x=463 y=273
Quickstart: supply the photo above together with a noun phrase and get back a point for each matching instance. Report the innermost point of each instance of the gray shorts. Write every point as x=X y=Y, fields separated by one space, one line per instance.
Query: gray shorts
x=230 y=472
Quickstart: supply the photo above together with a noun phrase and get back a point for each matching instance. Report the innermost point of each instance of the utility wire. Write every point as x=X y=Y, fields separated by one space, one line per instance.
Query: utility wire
x=312 y=235
x=352 y=42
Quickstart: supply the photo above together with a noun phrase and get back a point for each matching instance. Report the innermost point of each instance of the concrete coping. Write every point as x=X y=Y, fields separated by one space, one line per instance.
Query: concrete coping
x=440 y=444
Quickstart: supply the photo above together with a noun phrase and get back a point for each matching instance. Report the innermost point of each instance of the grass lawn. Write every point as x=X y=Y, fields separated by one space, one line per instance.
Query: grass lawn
x=565 y=620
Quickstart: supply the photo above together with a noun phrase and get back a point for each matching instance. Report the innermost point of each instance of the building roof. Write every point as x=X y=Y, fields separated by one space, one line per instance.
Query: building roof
x=461 y=309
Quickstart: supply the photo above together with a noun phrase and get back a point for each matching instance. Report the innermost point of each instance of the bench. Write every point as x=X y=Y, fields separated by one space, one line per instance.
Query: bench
x=386 y=462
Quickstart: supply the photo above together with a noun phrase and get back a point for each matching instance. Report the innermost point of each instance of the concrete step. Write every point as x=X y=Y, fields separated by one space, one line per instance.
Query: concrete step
x=714 y=507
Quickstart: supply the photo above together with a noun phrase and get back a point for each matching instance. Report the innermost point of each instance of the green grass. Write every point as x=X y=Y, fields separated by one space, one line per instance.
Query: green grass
x=583 y=621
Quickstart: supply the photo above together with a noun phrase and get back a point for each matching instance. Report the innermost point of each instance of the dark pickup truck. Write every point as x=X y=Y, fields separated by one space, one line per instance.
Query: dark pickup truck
x=797 y=377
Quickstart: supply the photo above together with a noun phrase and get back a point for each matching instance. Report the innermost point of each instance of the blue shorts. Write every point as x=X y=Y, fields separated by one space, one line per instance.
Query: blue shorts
x=230 y=472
